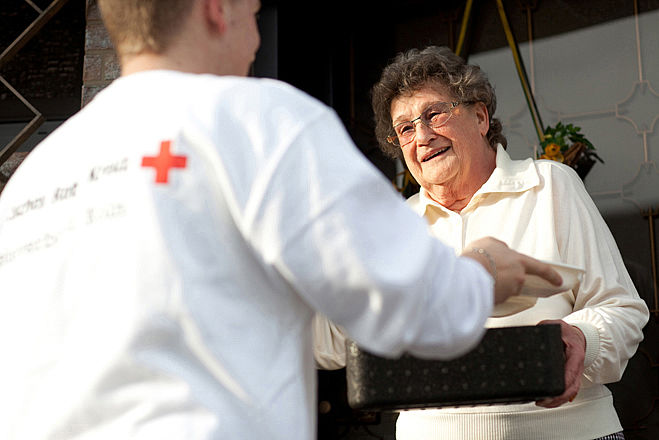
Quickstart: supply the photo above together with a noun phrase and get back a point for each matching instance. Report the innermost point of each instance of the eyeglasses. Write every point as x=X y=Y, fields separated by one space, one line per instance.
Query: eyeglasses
x=434 y=116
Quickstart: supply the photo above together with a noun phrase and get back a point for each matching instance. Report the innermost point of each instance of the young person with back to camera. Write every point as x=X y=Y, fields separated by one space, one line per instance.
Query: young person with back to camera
x=160 y=282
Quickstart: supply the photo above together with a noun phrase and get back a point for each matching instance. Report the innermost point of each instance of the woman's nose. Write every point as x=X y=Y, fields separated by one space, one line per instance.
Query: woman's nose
x=423 y=132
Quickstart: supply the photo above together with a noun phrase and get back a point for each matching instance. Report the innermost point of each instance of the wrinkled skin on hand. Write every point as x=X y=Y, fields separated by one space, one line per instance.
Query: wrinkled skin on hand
x=574 y=343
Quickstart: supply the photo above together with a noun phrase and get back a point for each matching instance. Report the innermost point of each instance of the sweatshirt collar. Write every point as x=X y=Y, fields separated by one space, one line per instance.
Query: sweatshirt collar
x=511 y=175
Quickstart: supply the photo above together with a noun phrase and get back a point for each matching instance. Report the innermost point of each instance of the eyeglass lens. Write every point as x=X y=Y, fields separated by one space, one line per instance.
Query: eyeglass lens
x=434 y=116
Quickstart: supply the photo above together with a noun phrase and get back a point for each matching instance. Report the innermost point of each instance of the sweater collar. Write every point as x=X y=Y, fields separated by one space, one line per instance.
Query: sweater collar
x=511 y=175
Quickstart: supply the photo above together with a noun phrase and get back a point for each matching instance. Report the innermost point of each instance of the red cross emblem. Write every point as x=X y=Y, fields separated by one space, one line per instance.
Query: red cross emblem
x=163 y=162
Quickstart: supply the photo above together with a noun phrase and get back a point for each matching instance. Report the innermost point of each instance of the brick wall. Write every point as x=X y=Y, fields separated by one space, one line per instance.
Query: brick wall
x=101 y=66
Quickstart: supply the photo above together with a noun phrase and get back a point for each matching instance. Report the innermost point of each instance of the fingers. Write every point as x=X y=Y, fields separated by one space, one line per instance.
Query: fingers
x=543 y=270
x=508 y=267
x=572 y=385
x=575 y=349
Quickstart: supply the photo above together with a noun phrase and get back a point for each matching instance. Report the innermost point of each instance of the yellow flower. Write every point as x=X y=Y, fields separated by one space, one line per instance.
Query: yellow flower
x=553 y=150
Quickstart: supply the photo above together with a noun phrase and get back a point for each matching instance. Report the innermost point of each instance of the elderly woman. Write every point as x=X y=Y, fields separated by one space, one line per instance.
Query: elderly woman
x=435 y=112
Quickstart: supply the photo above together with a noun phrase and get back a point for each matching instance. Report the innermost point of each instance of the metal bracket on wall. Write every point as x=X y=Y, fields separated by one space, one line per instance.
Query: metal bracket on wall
x=464 y=26
x=650 y=215
x=519 y=64
x=29 y=32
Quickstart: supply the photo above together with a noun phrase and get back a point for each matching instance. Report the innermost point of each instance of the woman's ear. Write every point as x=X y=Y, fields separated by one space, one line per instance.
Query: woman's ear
x=483 y=118
x=215 y=12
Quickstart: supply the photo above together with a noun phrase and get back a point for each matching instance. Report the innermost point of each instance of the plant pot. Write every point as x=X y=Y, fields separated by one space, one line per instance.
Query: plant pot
x=583 y=165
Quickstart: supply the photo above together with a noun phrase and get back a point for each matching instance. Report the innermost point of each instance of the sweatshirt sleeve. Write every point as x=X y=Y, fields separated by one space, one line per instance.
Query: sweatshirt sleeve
x=329 y=339
x=343 y=238
x=607 y=307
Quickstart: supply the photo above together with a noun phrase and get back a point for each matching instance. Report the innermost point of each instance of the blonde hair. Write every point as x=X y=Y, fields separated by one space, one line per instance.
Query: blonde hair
x=137 y=26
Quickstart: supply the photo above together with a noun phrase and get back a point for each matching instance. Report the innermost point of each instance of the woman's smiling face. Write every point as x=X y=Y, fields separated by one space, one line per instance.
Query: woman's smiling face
x=449 y=155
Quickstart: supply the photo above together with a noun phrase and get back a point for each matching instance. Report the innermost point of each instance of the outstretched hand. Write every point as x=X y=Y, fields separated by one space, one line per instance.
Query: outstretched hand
x=507 y=266
x=574 y=342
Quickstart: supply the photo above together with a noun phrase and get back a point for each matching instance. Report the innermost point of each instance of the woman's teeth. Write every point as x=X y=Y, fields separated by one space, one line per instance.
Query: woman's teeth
x=436 y=154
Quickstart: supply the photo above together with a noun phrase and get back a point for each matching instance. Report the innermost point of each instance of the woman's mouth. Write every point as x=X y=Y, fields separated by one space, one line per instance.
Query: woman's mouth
x=435 y=154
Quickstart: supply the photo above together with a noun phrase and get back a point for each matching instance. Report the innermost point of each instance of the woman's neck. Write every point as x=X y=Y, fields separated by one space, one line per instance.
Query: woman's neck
x=457 y=194
x=450 y=199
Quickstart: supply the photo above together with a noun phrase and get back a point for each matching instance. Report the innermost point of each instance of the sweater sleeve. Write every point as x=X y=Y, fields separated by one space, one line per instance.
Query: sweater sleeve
x=607 y=307
x=329 y=340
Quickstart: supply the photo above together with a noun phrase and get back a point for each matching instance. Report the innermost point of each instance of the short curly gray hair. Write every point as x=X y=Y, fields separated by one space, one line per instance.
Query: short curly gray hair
x=435 y=66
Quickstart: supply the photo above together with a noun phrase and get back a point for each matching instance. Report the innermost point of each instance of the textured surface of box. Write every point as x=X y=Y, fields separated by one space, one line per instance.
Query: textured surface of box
x=509 y=365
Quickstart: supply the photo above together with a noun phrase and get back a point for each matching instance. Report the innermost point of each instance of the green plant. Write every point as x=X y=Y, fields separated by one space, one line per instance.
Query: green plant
x=566 y=144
